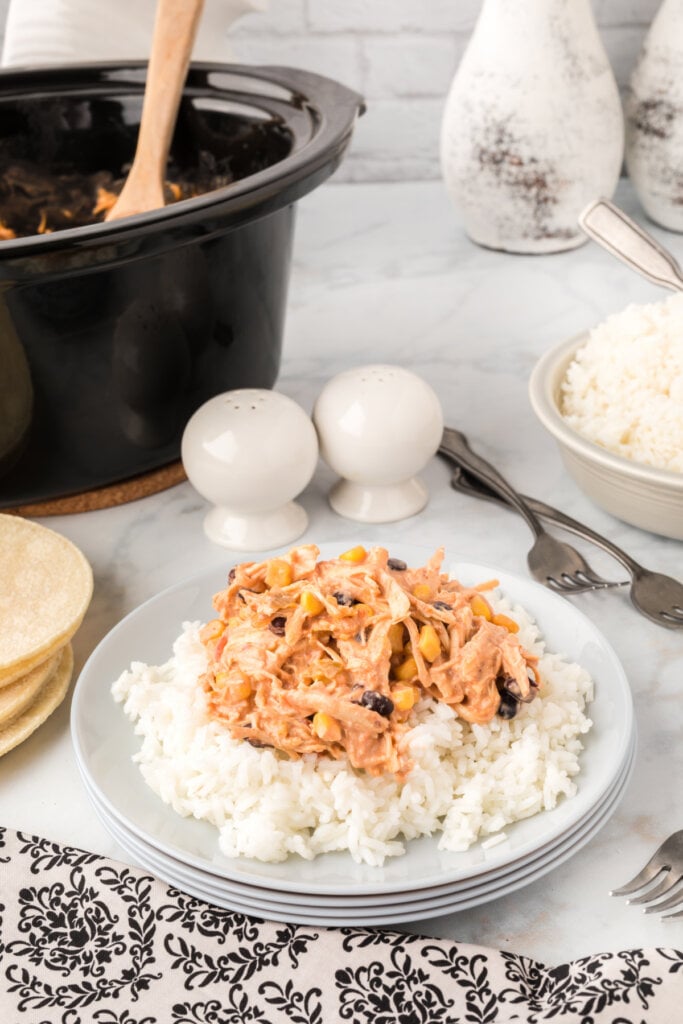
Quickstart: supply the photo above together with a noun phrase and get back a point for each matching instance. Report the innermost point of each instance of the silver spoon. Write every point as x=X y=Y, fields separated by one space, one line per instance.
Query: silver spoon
x=610 y=227
x=175 y=28
x=656 y=596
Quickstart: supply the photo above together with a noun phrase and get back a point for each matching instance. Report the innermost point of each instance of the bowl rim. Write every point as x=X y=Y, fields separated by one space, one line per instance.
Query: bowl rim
x=544 y=378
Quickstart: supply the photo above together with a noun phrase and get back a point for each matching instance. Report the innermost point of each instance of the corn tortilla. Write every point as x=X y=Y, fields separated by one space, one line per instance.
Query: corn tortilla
x=24 y=668
x=45 y=589
x=16 y=697
x=49 y=697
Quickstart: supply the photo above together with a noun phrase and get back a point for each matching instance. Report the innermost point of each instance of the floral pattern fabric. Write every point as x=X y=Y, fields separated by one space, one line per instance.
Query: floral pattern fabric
x=86 y=940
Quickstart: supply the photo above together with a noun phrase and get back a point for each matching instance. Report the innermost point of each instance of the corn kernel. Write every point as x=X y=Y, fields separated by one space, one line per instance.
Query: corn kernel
x=507 y=622
x=422 y=591
x=395 y=635
x=481 y=607
x=326 y=727
x=311 y=604
x=429 y=644
x=240 y=691
x=212 y=630
x=404 y=697
x=357 y=554
x=235 y=691
x=407 y=669
x=278 y=573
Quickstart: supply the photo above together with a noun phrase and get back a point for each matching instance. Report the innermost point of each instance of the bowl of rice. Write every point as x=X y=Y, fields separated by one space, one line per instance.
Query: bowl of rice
x=613 y=400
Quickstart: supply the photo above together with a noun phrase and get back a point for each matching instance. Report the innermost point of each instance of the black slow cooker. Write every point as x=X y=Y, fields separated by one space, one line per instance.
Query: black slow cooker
x=112 y=334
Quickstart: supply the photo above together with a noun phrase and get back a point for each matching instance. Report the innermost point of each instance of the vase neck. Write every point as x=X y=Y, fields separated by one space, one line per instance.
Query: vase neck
x=538 y=17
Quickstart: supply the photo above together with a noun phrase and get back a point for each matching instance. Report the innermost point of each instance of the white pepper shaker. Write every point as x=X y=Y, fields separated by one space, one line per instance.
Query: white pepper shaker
x=378 y=426
x=250 y=452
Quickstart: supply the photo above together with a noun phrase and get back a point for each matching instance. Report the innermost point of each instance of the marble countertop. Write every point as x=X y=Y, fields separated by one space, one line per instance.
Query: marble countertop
x=383 y=273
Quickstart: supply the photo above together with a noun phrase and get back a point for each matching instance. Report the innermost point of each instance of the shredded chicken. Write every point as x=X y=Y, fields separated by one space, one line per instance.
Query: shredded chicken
x=330 y=657
x=104 y=201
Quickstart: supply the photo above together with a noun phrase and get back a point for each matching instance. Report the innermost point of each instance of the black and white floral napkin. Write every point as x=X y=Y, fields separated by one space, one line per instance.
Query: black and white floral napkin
x=86 y=940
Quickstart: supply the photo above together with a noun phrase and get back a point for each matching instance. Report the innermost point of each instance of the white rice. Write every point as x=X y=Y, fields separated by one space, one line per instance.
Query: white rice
x=469 y=781
x=624 y=388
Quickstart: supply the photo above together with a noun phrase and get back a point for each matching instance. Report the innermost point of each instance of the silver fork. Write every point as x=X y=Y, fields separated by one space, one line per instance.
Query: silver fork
x=551 y=561
x=656 y=596
x=660 y=876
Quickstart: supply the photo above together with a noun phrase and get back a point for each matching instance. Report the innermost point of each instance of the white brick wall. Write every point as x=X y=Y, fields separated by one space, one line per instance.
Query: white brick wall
x=401 y=55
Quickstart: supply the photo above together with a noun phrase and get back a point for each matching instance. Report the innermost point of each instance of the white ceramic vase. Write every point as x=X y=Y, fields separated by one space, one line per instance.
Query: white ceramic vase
x=654 y=119
x=533 y=125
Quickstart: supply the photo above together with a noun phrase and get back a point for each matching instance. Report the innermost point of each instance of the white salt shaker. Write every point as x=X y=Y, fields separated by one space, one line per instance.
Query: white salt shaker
x=250 y=452
x=378 y=426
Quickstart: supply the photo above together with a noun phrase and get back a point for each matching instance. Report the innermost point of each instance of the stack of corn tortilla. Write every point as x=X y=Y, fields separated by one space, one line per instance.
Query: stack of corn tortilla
x=45 y=588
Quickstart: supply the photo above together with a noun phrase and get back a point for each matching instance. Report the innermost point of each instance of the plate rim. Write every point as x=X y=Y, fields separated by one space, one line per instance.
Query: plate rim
x=290 y=913
x=453 y=564
x=601 y=813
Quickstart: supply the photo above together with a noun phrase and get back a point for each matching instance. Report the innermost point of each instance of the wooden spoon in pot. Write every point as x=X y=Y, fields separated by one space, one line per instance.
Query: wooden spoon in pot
x=175 y=28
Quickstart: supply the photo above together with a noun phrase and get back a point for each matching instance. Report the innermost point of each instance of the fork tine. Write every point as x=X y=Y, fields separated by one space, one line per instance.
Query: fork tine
x=571 y=585
x=597 y=581
x=654 y=892
x=673 y=901
x=564 y=587
x=668 y=854
x=571 y=581
x=651 y=870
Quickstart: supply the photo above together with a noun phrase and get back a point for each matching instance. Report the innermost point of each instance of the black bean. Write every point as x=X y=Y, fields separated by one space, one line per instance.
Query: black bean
x=377 y=702
x=507 y=684
x=508 y=705
x=442 y=606
x=397 y=564
x=277 y=625
x=345 y=599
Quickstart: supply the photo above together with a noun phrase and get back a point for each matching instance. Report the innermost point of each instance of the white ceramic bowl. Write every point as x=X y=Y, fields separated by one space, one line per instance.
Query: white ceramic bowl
x=638 y=494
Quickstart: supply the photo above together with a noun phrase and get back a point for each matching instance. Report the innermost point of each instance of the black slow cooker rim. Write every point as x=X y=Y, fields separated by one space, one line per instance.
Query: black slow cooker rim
x=333 y=109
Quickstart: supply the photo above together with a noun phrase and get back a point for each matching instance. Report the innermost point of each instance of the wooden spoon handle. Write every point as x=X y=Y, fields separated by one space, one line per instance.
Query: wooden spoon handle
x=175 y=29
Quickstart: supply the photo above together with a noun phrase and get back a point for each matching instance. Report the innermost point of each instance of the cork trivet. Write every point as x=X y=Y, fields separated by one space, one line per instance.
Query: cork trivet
x=107 y=497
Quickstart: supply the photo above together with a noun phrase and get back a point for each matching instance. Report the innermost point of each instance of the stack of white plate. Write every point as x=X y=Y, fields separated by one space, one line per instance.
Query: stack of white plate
x=333 y=889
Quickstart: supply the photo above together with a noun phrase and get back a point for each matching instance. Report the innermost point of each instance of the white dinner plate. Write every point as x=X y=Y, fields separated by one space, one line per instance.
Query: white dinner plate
x=297 y=911
x=104 y=743
x=156 y=859
x=261 y=901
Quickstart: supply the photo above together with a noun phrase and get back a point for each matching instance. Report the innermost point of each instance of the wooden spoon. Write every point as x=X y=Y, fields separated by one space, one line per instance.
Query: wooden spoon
x=175 y=28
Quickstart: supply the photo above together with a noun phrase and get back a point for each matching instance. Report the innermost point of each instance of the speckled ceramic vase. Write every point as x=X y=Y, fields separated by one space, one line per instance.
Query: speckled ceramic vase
x=654 y=119
x=533 y=125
